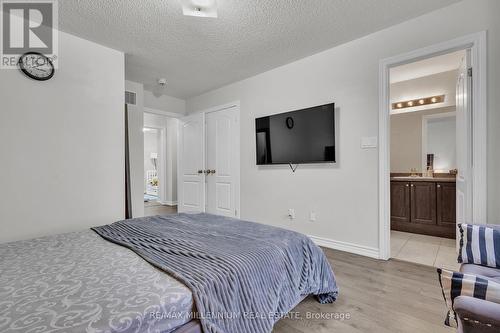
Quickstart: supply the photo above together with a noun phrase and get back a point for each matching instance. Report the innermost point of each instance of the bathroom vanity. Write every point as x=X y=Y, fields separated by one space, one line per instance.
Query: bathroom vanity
x=424 y=205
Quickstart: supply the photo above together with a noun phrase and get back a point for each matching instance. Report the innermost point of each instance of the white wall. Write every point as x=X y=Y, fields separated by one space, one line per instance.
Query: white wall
x=406 y=139
x=164 y=103
x=136 y=148
x=61 y=144
x=345 y=196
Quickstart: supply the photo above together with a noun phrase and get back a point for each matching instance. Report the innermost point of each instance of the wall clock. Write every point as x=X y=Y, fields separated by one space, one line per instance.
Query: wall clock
x=36 y=66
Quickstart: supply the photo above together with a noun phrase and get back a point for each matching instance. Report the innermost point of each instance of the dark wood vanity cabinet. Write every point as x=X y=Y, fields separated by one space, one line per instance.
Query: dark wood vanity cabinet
x=423 y=202
x=446 y=204
x=400 y=201
x=424 y=207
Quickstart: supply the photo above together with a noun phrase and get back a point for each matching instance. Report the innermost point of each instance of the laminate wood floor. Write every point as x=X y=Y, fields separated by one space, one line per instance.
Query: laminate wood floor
x=155 y=208
x=379 y=296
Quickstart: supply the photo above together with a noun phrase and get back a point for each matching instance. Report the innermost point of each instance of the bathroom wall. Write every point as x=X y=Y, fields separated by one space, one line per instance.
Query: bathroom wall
x=441 y=140
x=432 y=85
x=406 y=139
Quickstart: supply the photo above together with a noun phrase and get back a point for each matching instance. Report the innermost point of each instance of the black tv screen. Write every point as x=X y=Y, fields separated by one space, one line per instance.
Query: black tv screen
x=302 y=136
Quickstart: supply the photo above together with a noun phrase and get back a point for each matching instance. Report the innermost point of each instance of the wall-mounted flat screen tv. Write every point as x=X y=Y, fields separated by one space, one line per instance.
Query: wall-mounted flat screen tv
x=302 y=136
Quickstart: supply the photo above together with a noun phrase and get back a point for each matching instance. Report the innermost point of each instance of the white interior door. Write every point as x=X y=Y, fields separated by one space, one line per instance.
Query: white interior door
x=191 y=177
x=464 y=135
x=222 y=146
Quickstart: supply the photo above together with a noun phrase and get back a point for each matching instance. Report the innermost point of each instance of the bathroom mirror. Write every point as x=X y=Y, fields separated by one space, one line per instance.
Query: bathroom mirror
x=439 y=138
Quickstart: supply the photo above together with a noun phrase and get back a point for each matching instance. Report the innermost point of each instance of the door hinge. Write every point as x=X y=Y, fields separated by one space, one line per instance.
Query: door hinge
x=469 y=71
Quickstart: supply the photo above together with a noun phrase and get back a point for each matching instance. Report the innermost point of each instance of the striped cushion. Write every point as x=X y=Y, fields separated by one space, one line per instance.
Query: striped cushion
x=480 y=245
x=456 y=284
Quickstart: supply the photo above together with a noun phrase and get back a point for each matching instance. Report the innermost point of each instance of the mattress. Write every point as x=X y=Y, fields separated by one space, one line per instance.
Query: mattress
x=79 y=282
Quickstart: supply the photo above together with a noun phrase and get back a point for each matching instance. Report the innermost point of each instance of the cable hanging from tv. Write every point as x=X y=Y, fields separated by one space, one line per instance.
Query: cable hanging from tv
x=293 y=168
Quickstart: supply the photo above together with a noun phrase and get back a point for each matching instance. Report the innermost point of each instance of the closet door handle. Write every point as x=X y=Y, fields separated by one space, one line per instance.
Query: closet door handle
x=200 y=171
x=211 y=171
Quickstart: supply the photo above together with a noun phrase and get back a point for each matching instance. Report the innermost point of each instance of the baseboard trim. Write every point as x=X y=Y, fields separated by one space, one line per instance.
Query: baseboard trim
x=169 y=203
x=346 y=247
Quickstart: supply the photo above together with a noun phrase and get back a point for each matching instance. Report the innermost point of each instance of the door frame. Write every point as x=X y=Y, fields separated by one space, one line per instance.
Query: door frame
x=236 y=106
x=161 y=142
x=163 y=169
x=477 y=43
x=425 y=121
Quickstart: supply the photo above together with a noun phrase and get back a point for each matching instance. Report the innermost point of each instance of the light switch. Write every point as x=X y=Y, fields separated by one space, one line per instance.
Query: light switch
x=369 y=142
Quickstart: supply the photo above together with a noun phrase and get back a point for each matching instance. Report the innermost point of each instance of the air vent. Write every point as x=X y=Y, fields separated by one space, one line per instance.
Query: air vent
x=130 y=97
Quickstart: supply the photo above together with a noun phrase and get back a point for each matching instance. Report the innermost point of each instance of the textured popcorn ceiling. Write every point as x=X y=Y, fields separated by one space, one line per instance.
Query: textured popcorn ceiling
x=249 y=36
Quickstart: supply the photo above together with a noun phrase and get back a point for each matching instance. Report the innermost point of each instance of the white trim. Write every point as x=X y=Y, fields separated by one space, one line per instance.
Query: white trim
x=477 y=43
x=219 y=108
x=161 y=167
x=424 y=133
x=384 y=162
x=162 y=160
x=346 y=247
x=164 y=113
x=168 y=203
x=480 y=128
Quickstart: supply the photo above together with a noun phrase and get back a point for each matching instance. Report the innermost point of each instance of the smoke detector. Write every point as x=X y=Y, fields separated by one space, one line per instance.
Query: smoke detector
x=199 y=8
x=162 y=82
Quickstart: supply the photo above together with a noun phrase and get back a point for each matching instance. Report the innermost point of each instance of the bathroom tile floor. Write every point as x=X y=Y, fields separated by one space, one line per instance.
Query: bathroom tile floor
x=425 y=250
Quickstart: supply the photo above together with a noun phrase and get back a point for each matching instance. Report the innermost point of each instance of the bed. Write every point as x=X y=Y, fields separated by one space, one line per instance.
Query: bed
x=80 y=282
x=159 y=274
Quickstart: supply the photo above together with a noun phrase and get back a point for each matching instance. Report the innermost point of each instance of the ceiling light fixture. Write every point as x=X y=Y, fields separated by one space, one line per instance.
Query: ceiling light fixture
x=418 y=102
x=199 y=8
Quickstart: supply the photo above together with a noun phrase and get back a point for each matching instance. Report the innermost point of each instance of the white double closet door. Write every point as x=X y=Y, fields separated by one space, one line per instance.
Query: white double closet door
x=208 y=173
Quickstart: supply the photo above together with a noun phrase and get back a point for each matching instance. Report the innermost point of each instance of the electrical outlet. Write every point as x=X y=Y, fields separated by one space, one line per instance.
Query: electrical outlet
x=291 y=213
x=312 y=216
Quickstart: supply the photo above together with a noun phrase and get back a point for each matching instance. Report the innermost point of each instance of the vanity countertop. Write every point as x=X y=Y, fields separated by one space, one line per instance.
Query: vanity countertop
x=424 y=179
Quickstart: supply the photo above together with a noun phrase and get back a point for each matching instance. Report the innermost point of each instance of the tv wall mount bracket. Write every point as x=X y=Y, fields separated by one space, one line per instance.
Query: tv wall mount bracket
x=292 y=167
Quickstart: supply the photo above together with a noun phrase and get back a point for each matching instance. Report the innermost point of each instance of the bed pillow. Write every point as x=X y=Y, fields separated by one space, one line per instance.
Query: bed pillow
x=456 y=284
x=480 y=245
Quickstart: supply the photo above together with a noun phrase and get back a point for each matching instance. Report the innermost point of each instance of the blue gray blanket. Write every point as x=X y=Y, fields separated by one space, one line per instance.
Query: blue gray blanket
x=244 y=276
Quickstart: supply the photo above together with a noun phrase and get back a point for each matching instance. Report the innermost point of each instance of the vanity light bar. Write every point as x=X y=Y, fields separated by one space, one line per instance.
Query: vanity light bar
x=418 y=102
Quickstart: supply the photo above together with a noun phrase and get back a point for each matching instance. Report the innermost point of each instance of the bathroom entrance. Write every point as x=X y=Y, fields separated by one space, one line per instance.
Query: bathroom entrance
x=428 y=138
